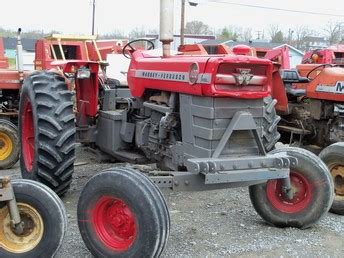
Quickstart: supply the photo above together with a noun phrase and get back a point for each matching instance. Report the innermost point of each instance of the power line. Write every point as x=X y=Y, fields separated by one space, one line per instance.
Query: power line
x=276 y=9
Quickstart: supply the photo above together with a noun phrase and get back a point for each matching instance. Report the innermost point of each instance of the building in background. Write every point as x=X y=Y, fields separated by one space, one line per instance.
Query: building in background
x=312 y=42
x=10 y=46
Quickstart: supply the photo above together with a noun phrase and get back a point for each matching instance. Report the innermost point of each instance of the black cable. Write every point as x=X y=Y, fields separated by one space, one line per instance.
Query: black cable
x=275 y=9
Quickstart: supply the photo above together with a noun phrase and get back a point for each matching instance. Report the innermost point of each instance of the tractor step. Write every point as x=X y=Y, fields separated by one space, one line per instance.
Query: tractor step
x=129 y=156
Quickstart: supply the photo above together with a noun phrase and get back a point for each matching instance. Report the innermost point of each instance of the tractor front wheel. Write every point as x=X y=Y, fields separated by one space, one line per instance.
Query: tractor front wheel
x=9 y=149
x=311 y=187
x=47 y=131
x=44 y=222
x=333 y=156
x=121 y=213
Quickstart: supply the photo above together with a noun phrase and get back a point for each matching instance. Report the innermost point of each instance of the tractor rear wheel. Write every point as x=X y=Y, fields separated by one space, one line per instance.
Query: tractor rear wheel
x=9 y=149
x=333 y=156
x=312 y=190
x=44 y=222
x=270 y=135
x=122 y=213
x=47 y=131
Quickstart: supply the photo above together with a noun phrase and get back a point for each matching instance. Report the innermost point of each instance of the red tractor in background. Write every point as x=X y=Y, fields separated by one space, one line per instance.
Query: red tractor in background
x=331 y=55
x=3 y=58
x=207 y=121
x=49 y=52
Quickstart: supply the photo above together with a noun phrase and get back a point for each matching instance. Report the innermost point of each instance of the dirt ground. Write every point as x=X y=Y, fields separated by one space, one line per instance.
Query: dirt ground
x=211 y=224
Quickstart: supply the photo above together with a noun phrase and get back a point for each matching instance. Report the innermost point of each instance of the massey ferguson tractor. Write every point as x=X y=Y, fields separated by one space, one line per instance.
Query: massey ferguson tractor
x=33 y=220
x=208 y=122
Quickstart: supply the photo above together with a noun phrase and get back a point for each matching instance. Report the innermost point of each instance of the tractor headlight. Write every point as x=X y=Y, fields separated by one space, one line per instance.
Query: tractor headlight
x=83 y=73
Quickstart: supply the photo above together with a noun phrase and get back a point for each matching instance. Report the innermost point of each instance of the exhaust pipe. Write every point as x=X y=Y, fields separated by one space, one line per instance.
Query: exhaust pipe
x=166 y=25
x=19 y=59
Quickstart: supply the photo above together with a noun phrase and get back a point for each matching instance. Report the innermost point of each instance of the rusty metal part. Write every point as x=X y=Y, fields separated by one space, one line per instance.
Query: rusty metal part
x=337 y=172
x=7 y=195
x=29 y=238
x=287 y=189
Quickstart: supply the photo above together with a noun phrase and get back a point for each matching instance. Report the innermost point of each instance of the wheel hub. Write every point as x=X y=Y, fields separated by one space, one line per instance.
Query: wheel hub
x=114 y=223
x=337 y=173
x=31 y=235
x=6 y=146
x=301 y=192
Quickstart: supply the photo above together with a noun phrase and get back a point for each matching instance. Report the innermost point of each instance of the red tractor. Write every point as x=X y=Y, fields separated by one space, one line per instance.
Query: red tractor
x=207 y=121
x=331 y=55
x=49 y=52
x=310 y=103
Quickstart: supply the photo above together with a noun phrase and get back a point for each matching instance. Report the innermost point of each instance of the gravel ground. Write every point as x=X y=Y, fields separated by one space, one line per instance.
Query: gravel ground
x=212 y=224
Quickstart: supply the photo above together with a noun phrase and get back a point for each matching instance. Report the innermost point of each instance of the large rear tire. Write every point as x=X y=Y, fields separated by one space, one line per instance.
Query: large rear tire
x=121 y=213
x=312 y=189
x=333 y=156
x=270 y=135
x=9 y=144
x=47 y=131
x=45 y=222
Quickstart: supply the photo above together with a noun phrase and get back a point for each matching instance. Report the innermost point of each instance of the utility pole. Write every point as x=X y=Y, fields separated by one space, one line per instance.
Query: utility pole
x=182 y=18
x=182 y=23
x=93 y=15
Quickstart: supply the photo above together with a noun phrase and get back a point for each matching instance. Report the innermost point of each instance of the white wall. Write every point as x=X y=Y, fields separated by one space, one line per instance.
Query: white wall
x=295 y=58
x=28 y=61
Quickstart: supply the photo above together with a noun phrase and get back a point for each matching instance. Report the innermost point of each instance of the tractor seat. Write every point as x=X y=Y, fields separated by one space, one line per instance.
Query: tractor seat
x=293 y=76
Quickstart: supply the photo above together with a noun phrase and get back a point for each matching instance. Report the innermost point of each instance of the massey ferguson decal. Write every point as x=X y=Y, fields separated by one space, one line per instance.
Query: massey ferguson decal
x=336 y=89
x=244 y=77
x=192 y=76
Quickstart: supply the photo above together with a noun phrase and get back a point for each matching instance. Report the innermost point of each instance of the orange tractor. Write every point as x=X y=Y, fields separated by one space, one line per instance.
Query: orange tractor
x=311 y=105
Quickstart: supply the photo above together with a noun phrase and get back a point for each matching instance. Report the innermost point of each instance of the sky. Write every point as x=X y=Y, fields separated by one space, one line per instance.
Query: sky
x=75 y=16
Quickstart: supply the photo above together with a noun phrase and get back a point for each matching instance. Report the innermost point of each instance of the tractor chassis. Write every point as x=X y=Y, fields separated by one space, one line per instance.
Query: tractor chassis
x=227 y=172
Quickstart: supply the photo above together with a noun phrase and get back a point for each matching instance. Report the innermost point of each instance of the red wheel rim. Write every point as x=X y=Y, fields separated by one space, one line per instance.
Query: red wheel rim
x=28 y=136
x=302 y=193
x=114 y=223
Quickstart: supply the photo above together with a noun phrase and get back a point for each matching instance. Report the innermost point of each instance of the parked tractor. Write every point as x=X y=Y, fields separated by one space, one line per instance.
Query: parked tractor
x=207 y=121
x=33 y=219
x=310 y=102
x=311 y=107
x=49 y=52
x=331 y=55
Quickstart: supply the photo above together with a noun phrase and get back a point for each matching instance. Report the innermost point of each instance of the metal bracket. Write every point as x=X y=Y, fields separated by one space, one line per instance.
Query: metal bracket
x=7 y=195
x=6 y=191
x=242 y=120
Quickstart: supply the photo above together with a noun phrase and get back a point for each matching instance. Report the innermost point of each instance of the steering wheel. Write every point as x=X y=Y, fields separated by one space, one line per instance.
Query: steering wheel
x=317 y=67
x=129 y=48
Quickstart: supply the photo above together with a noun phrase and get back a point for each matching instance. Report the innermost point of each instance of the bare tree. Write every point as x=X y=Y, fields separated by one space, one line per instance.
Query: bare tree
x=334 y=31
x=137 y=33
x=197 y=28
x=301 y=32
x=247 y=34
x=116 y=34
x=273 y=30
